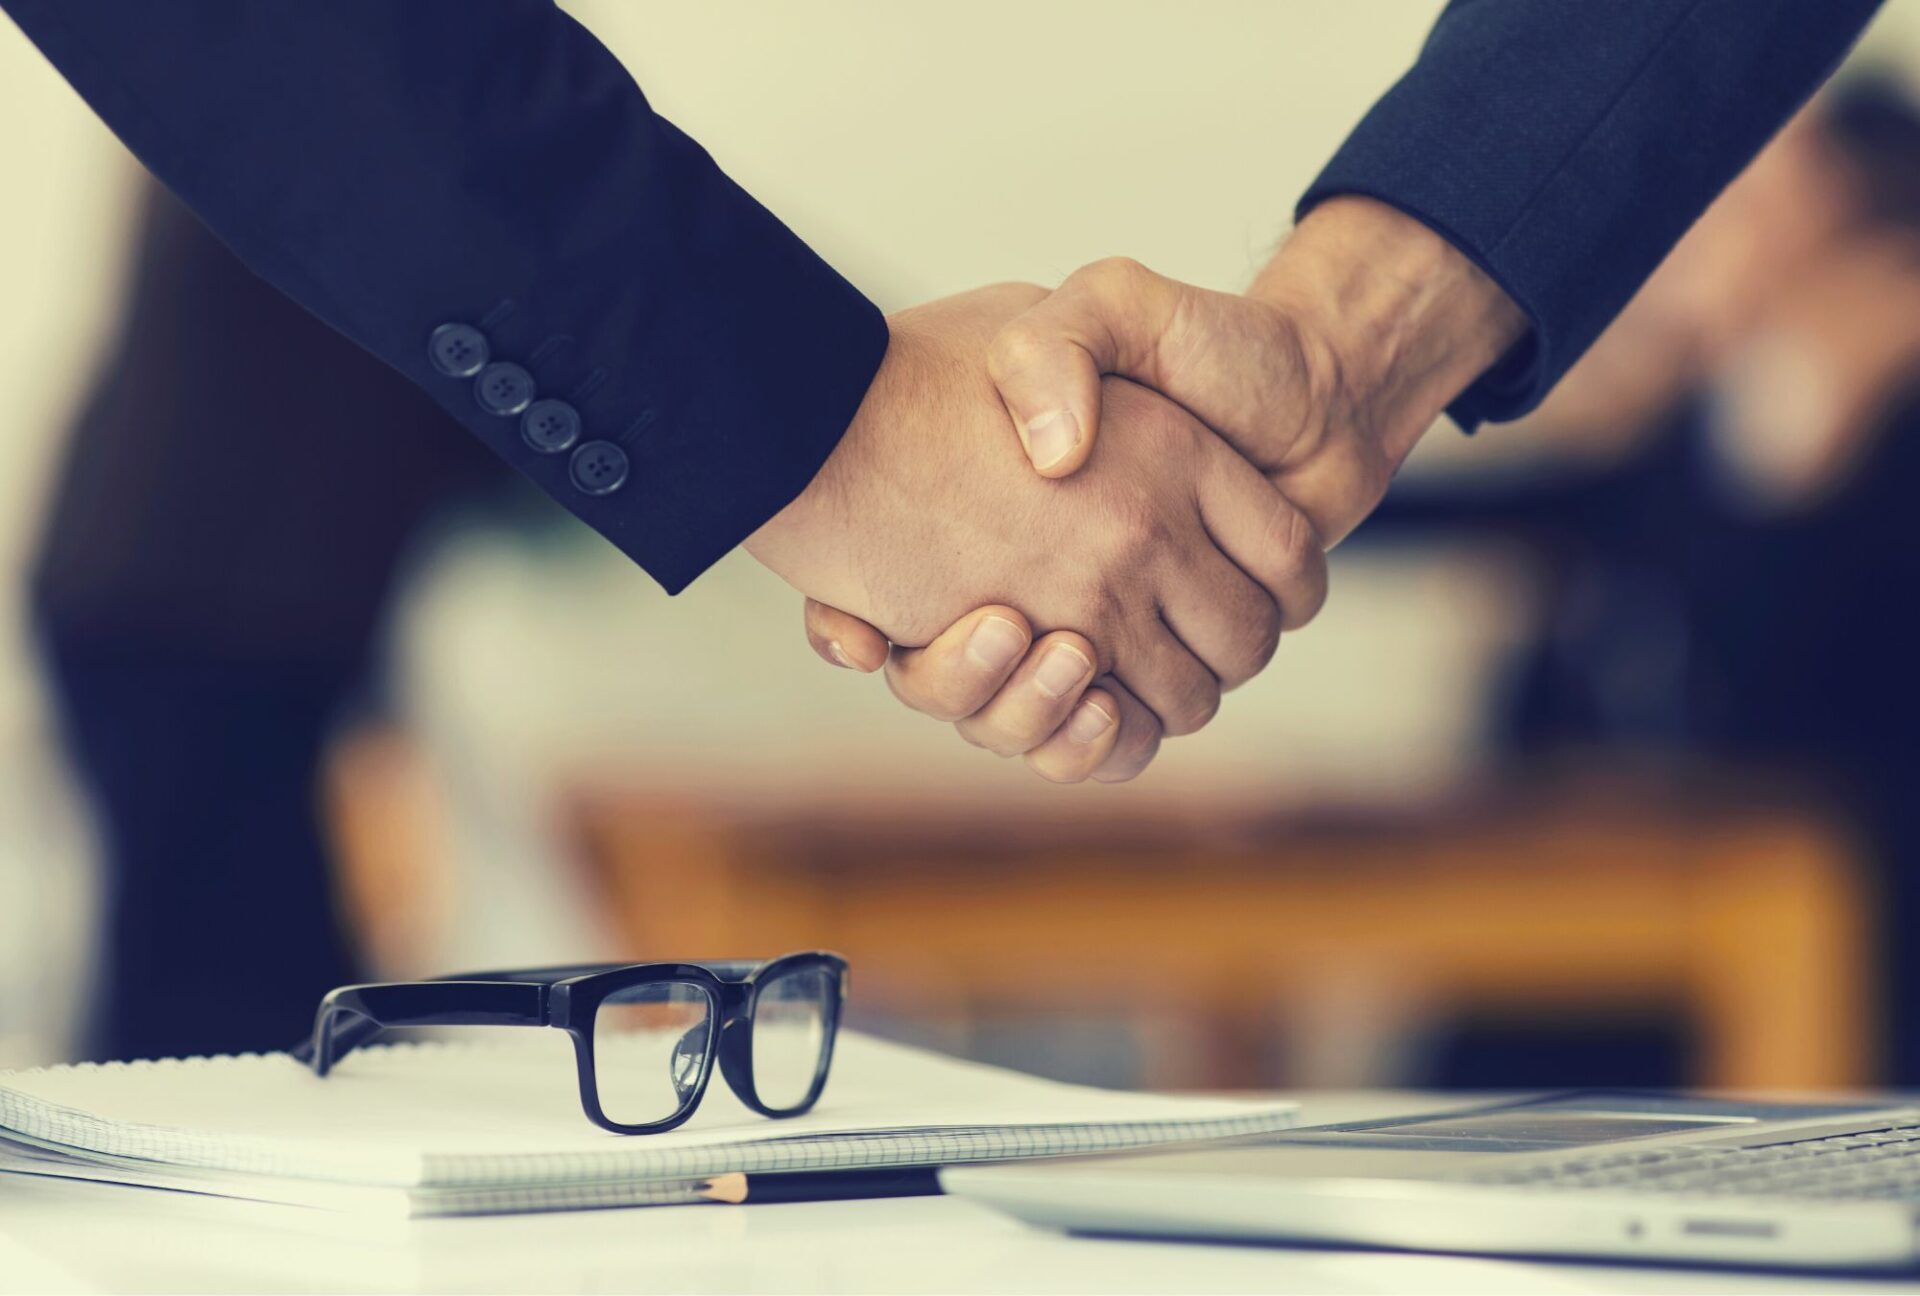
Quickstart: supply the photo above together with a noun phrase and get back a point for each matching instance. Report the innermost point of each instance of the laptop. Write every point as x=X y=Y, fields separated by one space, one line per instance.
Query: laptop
x=1587 y=1175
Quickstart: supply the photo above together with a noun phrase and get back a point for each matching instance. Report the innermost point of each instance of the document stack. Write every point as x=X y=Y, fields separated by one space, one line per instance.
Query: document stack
x=460 y=1128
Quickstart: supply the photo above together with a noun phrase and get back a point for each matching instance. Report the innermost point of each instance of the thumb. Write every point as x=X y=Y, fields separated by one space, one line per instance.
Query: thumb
x=844 y=639
x=1107 y=317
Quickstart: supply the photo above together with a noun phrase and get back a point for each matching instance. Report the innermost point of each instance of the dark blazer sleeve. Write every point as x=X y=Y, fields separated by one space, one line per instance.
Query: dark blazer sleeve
x=631 y=330
x=1566 y=145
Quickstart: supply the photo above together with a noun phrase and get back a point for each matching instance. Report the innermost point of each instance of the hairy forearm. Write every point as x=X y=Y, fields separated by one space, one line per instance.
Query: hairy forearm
x=1404 y=320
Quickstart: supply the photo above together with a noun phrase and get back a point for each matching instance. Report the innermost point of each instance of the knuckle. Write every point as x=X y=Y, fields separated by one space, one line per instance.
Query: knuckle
x=1260 y=639
x=1108 y=611
x=992 y=735
x=1116 y=272
x=1297 y=565
x=961 y=700
x=971 y=736
x=1138 y=533
x=1008 y=727
x=938 y=697
x=1195 y=705
x=1294 y=544
x=1062 y=639
x=1015 y=349
x=1139 y=744
x=1056 y=768
x=1264 y=635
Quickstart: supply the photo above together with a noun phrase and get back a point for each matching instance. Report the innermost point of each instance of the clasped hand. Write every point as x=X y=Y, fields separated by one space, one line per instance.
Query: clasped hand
x=1189 y=456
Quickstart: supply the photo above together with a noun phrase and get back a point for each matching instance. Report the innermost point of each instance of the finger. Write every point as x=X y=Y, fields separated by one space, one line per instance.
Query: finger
x=843 y=639
x=1263 y=533
x=1077 y=748
x=1223 y=616
x=963 y=668
x=1139 y=739
x=1174 y=684
x=1047 y=362
x=1038 y=698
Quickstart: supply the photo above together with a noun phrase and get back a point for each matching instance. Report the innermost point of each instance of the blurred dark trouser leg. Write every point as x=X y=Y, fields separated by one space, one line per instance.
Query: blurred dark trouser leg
x=236 y=500
x=220 y=934
x=1892 y=823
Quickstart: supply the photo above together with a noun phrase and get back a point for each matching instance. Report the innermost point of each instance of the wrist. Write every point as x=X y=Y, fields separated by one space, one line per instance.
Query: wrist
x=805 y=543
x=1394 y=322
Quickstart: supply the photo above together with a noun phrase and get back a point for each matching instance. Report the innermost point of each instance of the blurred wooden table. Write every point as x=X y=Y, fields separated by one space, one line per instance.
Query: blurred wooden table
x=1742 y=910
x=1744 y=914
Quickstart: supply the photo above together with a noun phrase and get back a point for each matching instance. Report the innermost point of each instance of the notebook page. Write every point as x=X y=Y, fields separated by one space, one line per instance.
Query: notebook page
x=504 y=1107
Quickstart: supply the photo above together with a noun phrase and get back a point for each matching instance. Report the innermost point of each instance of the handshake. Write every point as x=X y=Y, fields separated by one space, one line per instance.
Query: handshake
x=1075 y=603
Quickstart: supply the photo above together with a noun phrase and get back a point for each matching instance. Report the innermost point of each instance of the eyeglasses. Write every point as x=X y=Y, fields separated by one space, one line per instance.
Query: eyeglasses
x=645 y=1035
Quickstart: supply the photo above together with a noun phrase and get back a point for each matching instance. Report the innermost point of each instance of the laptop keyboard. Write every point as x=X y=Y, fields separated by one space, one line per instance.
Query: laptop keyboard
x=1879 y=1165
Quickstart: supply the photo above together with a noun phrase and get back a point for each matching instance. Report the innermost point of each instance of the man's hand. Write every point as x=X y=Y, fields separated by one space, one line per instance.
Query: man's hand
x=1171 y=553
x=1324 y=375
x=1005 y=691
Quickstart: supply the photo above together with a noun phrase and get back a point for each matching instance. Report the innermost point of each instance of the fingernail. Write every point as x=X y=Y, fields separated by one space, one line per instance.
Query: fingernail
x=1061 y=670
x=839 y=654
x=1088 y=722
x=994 y=643
x=1052 y=437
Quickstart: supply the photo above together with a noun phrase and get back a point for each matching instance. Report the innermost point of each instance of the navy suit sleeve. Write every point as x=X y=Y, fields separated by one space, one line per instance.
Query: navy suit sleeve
x=1566 y=145
x=395 y=167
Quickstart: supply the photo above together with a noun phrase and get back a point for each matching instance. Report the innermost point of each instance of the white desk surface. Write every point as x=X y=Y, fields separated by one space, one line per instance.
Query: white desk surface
x=73 y=1237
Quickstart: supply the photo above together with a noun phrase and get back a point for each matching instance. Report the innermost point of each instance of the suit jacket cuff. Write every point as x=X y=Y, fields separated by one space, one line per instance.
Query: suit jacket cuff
x=1566 y=146
x=402 y=168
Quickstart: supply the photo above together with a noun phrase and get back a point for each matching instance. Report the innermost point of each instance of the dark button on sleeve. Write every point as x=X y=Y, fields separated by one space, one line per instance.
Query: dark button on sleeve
x=457 y=350
x=550 y=426
x=503 y=389
x=599 y=468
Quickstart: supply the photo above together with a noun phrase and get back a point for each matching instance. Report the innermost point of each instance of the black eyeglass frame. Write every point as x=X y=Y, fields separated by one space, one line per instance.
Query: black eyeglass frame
x=569 y=998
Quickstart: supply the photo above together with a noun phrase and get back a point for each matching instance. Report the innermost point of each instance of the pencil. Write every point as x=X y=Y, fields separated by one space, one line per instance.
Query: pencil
x=822 y=1185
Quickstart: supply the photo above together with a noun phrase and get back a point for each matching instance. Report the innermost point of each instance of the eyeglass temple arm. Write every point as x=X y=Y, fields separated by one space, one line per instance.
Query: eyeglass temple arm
x=726 y=968
x=352 y=1015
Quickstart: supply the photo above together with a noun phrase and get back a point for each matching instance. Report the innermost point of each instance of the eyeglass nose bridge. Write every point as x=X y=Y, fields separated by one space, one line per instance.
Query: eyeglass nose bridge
x=733 y=1043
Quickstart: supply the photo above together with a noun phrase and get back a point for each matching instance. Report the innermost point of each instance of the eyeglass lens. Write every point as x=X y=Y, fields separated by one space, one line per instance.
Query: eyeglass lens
x=650 y=1045
x=790 y=1033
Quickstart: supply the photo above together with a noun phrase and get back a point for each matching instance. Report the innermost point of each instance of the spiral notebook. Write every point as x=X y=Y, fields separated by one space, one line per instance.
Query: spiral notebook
x=478 y=1127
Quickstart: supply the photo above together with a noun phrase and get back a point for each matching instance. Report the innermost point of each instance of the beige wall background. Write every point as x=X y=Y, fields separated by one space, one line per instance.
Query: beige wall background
x=930 y=148
x=923 y=149
x=64 y=190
